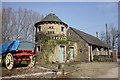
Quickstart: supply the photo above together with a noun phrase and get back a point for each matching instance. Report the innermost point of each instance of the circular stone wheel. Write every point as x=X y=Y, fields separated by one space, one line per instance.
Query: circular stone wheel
x=9 y=62
x=31 y=62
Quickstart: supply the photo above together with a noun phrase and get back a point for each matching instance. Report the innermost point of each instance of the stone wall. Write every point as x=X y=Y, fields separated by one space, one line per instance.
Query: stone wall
x=52 y=28
x=50 y=51
x=46 y=53
x=82 y=47
x=103 y=58
x=115 y=55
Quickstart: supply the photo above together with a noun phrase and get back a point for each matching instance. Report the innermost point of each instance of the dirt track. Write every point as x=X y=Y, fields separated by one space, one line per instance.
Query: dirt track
x=72 y=70
x=96 y=70
x=113 y=73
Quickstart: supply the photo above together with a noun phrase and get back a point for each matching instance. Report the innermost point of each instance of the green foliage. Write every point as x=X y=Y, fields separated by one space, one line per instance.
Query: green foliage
x=61 y=42
x=42 y=37
x=47 y=50
x=48 y=47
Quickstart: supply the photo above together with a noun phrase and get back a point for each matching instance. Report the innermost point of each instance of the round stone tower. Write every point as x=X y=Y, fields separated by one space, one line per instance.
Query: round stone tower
x=53 y=26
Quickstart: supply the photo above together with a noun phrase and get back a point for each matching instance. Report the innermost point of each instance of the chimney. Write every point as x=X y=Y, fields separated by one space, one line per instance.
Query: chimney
x=97 y=34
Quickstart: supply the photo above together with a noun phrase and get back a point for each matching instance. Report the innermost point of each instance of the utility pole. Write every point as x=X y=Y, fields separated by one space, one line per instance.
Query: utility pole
x=107 y=40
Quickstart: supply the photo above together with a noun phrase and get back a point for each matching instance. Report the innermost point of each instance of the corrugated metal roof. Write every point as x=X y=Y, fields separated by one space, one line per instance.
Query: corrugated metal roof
x=89 y=38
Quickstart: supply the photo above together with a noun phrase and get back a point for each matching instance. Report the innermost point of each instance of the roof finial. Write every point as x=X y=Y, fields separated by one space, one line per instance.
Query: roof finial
x=51 y=11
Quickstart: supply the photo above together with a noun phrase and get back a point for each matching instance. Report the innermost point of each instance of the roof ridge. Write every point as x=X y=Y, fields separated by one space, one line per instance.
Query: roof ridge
x=85 y=33
x=89 y=38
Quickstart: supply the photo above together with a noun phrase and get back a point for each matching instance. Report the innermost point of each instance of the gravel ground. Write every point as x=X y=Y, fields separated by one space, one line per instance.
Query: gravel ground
x=95 y=70
x=71 y=70
x=23 y=70
x=89 y=70
x=113 y=73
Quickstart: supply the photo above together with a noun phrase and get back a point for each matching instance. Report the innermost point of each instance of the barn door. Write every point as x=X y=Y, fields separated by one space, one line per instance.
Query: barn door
x=62 y=50
x=71 y=53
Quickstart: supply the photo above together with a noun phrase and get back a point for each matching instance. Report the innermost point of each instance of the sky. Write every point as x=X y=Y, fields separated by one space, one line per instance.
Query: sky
x=89 y=17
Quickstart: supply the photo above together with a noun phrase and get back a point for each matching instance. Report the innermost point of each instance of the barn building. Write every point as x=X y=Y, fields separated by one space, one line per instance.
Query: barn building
x=87 y=45
x=62 y=45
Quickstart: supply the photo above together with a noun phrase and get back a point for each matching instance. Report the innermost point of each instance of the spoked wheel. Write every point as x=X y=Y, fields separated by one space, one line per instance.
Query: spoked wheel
x=9 y=62
x=31 y=63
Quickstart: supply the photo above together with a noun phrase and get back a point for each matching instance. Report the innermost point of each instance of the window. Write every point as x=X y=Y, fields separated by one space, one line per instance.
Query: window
x=38 y=48
x=39 y=28
x=70 y=33
x=62 y=29
x=51 y=27
x=80 y=51
x=51 y=32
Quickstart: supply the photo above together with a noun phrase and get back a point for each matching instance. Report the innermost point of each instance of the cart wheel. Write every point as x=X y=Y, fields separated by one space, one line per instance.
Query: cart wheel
x=31 y=62
x=9 y=62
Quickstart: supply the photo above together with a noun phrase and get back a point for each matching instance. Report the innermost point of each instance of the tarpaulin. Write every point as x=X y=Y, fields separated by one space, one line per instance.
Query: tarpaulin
x=9 y=46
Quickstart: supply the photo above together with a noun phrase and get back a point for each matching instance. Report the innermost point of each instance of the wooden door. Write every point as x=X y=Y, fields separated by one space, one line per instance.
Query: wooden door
x=62 y=53
x=71 y=53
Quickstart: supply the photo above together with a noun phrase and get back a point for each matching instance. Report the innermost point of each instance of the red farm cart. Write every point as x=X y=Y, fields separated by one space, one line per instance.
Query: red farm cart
x=18 y=51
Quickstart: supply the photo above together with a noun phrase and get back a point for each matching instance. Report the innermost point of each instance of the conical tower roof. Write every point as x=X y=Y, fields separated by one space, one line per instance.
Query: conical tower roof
x=51 y=17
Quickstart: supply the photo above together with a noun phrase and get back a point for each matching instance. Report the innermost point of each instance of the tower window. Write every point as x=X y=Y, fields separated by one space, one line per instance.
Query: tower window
x=62 y=29
x=38 y=48
x=51 y=32
x=39 y=28
x=51 y=27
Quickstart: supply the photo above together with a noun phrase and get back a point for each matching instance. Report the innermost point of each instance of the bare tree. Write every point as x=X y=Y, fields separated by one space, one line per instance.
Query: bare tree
x=6 y=14
x=112 y=37
x=19 y=24
x=102 y=36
